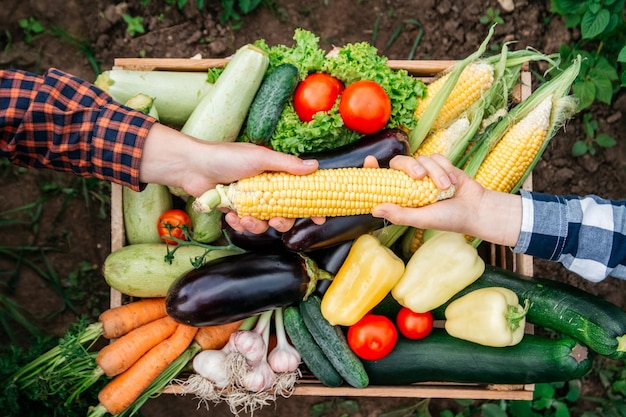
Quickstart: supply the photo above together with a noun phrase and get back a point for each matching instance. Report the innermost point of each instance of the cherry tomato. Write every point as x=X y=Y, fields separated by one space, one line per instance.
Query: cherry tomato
x=170 y=224
x=372 y=337
x=317 y=92
x=365 y=107
x=414 y=325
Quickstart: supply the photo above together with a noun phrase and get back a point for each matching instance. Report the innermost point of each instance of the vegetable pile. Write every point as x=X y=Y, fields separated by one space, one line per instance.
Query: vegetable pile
x=354 y=301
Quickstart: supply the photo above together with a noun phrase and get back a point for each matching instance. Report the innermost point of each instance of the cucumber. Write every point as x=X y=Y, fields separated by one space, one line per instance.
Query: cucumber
x=221 y=113
x=141 y=271
x=440 y=357
x=205 y=227
x=311 y=353
x=141 y=211
x=333 y=343
x=594 y=321
x=269 y=102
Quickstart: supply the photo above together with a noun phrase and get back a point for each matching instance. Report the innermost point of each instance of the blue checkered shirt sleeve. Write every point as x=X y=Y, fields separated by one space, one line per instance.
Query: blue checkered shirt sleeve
x=587 y=235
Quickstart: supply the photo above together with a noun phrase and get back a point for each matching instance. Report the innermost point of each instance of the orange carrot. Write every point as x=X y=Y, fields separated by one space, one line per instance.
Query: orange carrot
x=216 y=337
x=120 y=320
x=120 y=393
x=119 y=355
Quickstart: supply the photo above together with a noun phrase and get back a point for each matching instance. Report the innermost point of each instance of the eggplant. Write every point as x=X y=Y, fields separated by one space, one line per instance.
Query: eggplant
x=246 y=284
x=384 y=145
x=305 y=235
x=268 y=240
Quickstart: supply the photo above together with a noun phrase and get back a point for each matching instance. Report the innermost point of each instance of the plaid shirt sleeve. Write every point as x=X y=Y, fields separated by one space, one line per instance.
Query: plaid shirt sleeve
x=61 y=122
x=587 y=235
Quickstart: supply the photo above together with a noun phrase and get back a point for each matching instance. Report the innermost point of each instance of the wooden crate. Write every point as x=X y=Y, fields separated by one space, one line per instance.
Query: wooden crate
x=493 y=254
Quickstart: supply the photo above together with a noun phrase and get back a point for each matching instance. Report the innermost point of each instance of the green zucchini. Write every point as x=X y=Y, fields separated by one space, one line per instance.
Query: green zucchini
x=269 y=102
x=596 y=322
x=311 y=353
x=333 y=343
x=441 y=357
x=205 y=227
x=176 y=93
x=141 y=271
x=141 y=211
x=221 y=113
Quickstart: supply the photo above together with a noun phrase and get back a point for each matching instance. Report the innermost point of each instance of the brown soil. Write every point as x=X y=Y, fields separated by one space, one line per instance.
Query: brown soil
x=451 y=30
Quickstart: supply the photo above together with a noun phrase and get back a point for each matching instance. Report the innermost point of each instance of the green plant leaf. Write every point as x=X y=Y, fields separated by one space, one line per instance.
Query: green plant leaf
x=579 y=148
x=621 y=57
x=593 y=24
x=605 y=141
x=603 y=68
x=492 y=410
x=585 y=90
x=521 y=409
x=246 y=6
x=604 y=89
x=573 y=393
x=560 y=409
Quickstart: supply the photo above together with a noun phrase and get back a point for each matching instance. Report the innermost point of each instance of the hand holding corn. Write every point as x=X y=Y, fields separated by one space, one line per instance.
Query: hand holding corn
x=324 y=193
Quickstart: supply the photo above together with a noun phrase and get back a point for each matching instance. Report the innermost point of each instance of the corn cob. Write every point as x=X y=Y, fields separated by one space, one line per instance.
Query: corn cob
x=474 y=81
x=509 y=160
x=326 y=192
x=444 y=139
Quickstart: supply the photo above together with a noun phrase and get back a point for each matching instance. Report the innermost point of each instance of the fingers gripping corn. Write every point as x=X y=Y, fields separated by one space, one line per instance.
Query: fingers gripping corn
x=326 y=192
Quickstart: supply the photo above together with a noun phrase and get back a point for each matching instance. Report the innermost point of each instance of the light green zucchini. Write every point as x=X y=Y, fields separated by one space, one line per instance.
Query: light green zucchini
x=176 y=93
x=142 y=210
x=221 y=113
x=141 y=270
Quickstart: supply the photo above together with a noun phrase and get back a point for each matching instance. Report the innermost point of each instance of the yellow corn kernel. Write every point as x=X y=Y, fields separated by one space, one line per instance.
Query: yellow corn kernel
x=510 y=158
x=474 y=81
x=416 y=241
x=329 y=192
x=443 y=139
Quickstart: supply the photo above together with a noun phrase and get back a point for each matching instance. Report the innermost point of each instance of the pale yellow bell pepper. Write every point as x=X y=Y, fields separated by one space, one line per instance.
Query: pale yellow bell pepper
x=364 y=279
x=444 y=265
x=489 y=316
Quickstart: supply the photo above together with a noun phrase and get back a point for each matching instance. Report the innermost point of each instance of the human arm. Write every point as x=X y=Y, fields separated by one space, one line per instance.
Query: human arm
x=587 y=235
x=61 y=122
x=474 y=210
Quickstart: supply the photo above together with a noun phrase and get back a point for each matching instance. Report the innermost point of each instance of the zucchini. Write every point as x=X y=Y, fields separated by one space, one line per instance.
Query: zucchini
x=269 y=102
x=309 y=350
x=596 y=322
x=141 y=271
x=205 y=227
x=141 y=211
x=221 y=113
x=441 y=357
x=176 y=93
x=333 y=343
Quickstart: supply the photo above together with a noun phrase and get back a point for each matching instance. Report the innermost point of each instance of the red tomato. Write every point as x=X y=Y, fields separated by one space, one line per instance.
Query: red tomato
x=365 y=107
x=414 y=325
x=170 y=224
x=317 y=92
x=372 y=337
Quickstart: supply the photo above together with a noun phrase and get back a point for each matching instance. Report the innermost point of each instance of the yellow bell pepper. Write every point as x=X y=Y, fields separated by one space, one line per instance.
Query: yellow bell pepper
x=489 y=316
x=444 y=265
x=364 y=279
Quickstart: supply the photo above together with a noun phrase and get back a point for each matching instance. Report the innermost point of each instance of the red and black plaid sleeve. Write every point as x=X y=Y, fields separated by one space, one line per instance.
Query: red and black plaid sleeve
x=61 y=122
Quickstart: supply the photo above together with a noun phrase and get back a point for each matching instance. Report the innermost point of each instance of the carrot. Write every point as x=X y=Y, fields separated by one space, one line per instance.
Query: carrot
x=119 y=355
x=120 y=320
x=216 y=337
x=120 y=393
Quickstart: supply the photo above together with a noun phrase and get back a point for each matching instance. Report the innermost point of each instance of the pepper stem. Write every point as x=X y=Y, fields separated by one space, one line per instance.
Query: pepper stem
x=514 y=316
x=315 y=274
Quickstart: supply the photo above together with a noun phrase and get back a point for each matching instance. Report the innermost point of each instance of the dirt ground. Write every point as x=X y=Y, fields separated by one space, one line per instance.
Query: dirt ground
x=451 y=30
